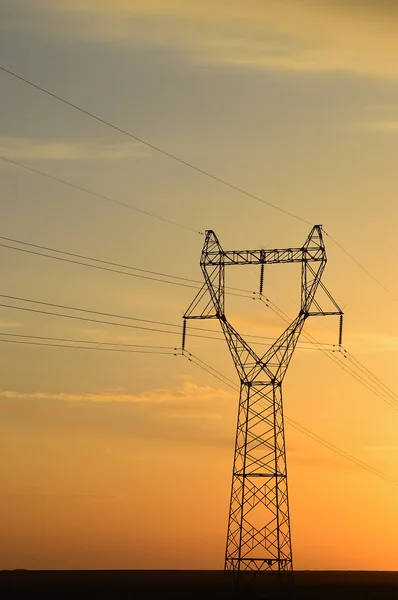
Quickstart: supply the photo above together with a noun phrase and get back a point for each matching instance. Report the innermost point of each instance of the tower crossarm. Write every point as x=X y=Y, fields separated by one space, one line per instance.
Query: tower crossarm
x=313 y=253
x=210 y=300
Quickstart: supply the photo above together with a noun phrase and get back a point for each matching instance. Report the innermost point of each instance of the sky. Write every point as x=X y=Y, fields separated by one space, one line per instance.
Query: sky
x=123 y=460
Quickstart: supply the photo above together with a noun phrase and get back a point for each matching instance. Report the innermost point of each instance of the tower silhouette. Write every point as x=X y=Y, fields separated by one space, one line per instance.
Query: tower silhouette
x=259 y=537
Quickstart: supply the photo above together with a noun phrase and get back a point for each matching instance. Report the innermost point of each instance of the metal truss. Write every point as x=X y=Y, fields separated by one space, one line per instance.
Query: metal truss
x=258 y=537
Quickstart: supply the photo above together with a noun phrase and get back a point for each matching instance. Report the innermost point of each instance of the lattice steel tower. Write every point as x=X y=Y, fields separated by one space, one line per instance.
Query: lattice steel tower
x=258 y=537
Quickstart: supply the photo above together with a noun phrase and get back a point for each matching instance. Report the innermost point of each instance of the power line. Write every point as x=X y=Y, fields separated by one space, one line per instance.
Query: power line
x=89 y=320
x=199 y=362
x=339 y=451
x=204 y=366
x=391 y=395
x=102 y=196
x=191 y=358
x=48 y=344
x=153 y=146
x=185 y=279
x=374 y=385
x=106 y=314
x=371 y=386
x=379 y=283
x=86 y=310
x=98 y=267
x=373 y=379
x=370 y=374
x=106 y=262
x=296 y=425
x=175 y=158
x=217 y=374
x=102 y=343
x=103 y=322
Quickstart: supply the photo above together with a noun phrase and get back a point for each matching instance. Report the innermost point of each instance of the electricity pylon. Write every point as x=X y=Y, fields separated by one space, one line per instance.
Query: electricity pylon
x=258 y=537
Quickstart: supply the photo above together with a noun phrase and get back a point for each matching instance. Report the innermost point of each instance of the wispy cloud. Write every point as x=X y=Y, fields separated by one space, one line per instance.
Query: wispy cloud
x=31 y=492
x=390 y=107
x=384 y=453
x=185 y=398
x=41 y=149
x=373 y=342
x=380 y=126
x=56 y=495
x=316 y=460
x=271 y=326
x=10 y=324
x=186 y=413
x=307 y=36
x=382 y=448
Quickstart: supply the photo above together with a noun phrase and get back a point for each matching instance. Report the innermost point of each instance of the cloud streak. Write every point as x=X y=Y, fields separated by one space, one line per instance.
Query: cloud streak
x=186 y=413
x=380 y=126
x=41 y=149
x=373 y=342
x=187 y=396
x=10 y=324
x=30 y=494
x=303 y=36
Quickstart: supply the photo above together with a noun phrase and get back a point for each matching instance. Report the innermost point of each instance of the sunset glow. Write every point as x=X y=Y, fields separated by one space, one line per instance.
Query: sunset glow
x=120 y=456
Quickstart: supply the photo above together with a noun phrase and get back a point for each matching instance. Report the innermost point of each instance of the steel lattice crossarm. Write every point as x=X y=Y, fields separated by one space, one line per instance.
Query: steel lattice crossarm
x=313 y=253
x=258 y=536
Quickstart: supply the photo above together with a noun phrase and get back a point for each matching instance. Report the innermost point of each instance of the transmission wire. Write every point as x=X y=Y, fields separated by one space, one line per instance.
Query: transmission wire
x=106 y=314
x=196 y=287
x=48 y=344
x=102 y=343
x=153 y=146
x=369 y=385
x=303 y=429
x=179 y=160
x=356 y=261
x=102 y=196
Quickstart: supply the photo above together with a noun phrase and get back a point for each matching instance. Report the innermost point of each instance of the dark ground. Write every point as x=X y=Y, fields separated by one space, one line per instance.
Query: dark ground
x=175 y=585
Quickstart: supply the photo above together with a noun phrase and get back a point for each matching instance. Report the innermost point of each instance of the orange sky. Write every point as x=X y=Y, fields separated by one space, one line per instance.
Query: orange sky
x=119 y=460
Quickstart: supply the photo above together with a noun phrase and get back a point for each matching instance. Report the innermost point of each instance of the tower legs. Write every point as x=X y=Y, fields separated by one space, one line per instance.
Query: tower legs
x=258 y=536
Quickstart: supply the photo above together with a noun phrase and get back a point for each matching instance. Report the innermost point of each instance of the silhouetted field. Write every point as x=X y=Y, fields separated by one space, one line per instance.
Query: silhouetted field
x=175 y=585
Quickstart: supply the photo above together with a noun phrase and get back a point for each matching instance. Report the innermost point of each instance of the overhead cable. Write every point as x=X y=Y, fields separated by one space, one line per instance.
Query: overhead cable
x=372 y=383
x=106 y=262
x=153 y=146
x=106 y=314
x=304 y=430
x=364 y=269
x=77 y=347
x=102 y=196
x=101 y=343
x=179 y=160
